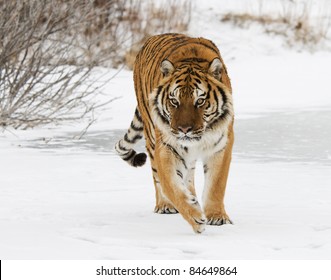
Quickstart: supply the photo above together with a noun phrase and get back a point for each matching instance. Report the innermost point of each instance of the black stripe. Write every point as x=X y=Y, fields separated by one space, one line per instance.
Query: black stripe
x=216 y=98
x=193 y=59
x=225 y=99
x=225 y=114
x=150 y=154
x=187 y=41
x=163 y=98
x=214 y=48
x=178 y=86
x=163 y=118
x=197 y=74
x=136 y=128
x=138 y=116
x=219 y=118
x=145 y=106
x=180 y=174
x=148 y=136
x=134 y=140
x=204 y=93
x=212 y=113
x=177 y=155
x=150 y=139
x=221 y=150
x=159 y=89
x=218 y=141
x=208 y=94
x=122 y=147
x=128 y=157
x=174 y=44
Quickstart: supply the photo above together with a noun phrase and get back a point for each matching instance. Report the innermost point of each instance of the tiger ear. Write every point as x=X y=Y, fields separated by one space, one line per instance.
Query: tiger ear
x=167 y=67
x=215 y=68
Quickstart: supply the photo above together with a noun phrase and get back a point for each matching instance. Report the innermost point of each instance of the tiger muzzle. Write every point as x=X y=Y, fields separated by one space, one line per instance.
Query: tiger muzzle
x=186 y=122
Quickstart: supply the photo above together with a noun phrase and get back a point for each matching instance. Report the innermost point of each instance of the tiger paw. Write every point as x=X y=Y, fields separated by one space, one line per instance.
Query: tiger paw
x=218 y=220
x=196 y=218
x=199 y=225
x=165 y=209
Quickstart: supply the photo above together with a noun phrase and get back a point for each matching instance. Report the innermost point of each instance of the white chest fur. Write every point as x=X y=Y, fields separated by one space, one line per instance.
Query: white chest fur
x=210 y=143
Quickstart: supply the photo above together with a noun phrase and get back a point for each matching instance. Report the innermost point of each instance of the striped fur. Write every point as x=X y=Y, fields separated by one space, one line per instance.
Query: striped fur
x=185 y=113
x=124 y=147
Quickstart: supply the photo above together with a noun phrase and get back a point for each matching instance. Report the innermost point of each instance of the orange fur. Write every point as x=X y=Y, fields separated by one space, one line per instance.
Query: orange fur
x=185 y=102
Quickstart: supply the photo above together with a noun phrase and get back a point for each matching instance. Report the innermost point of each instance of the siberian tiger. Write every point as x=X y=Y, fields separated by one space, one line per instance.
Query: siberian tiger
x=185 y=113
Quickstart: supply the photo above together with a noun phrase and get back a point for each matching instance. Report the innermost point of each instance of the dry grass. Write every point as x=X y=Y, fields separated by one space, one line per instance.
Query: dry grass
x=293 y=21
x=154 y=18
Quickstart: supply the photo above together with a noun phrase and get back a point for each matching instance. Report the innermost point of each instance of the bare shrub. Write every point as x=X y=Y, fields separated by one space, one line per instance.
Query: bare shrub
x=48 y=49
x=293 y=20
x=34 y=86
x=111 y=32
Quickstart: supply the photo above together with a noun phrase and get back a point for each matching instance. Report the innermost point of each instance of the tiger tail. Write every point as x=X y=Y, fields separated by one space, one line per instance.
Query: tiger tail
x=124 y=147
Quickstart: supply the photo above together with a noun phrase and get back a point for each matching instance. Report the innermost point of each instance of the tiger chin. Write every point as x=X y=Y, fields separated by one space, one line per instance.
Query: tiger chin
x=185 y=114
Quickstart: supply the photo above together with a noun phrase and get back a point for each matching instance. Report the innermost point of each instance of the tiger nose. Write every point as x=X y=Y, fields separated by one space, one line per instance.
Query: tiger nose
x=185 y=129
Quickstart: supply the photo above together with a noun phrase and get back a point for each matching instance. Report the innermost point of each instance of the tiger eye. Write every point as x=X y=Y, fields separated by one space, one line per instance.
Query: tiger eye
x=174 y=102
x=200 y=101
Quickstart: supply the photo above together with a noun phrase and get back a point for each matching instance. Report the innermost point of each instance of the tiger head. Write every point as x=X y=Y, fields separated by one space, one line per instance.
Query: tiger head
x=191 y=100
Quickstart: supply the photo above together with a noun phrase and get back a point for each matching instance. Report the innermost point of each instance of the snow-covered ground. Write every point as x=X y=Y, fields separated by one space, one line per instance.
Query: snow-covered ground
x=62 y=197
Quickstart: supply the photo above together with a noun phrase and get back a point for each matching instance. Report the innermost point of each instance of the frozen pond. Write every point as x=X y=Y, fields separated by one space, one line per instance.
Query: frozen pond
x=303 y=136
x=292 y=137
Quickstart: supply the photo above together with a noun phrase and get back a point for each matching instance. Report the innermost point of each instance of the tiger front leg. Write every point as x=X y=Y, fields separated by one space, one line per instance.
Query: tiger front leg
x=163 y=205
x=216 y=169
x=172 y=171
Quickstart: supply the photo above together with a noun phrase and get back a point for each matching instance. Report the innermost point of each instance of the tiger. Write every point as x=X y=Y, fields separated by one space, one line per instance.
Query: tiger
x=185 y=113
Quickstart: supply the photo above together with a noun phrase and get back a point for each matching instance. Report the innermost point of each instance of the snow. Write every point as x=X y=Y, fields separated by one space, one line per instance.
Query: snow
x=66 y=197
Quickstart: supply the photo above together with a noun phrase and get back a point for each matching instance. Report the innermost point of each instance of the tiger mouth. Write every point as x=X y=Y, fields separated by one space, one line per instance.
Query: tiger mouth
x=188 y=138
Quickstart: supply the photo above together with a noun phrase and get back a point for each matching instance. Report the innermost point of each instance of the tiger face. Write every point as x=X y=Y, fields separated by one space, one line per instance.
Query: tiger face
x=190 y=100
